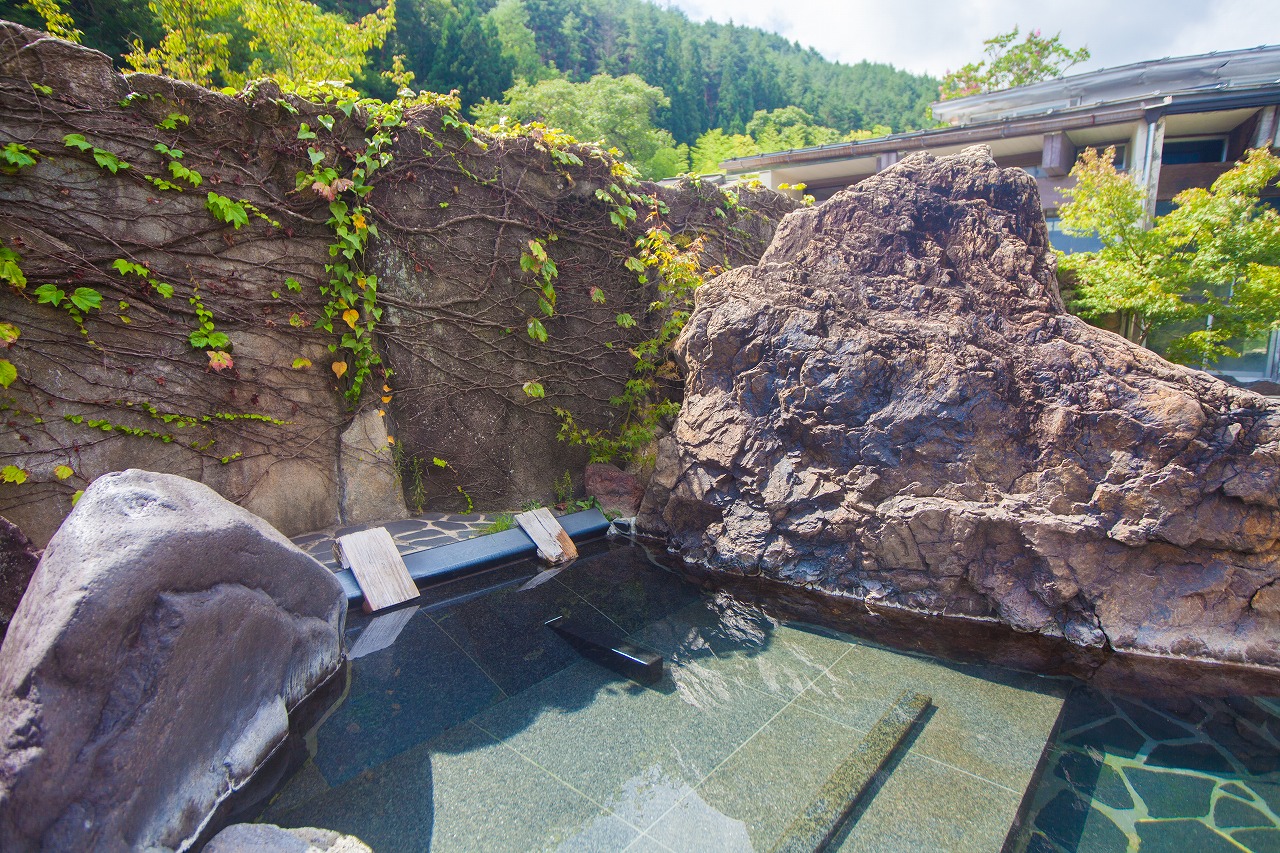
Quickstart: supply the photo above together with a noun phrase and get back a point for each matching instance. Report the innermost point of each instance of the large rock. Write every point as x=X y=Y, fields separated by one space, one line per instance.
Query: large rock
x=151 y=665
x=618 y=491
x=895 y=404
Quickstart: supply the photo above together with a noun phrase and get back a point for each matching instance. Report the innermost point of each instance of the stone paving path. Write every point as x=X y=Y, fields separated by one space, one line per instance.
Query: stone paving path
x=1182 y=774
x=412 y=534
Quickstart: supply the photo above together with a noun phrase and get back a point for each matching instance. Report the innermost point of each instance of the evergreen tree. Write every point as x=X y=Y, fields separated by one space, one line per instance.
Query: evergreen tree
x=469 y=57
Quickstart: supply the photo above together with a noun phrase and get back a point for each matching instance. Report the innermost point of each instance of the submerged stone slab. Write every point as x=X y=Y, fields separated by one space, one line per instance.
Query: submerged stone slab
x=821 y=819
x=267 y=838
x=895 y=404
x=152 y=664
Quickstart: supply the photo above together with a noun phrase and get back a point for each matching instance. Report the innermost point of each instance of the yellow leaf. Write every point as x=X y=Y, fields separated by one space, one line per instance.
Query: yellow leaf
x=62 y=472
x=386 y=399
x=390 y=440
x=382 y=413
x=350 y=316
x=339 y=368
x=386 y=388
x=300 y=363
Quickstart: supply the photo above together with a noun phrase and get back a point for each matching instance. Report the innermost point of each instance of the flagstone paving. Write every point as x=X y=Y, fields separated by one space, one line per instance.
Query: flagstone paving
x=412 y=534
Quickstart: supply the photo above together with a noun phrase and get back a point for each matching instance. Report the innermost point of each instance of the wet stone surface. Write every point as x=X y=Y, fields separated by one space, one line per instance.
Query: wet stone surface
x=479 y=729
x=1189 y=773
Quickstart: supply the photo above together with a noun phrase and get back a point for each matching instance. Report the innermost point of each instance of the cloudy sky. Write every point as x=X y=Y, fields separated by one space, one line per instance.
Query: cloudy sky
x=933 y=36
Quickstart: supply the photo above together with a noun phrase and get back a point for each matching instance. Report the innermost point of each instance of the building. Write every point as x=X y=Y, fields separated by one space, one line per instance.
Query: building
x=1175 y=123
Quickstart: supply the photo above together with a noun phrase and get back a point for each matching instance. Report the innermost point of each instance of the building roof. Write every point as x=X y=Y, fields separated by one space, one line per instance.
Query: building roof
x=1212 y=81
x=1203 y=73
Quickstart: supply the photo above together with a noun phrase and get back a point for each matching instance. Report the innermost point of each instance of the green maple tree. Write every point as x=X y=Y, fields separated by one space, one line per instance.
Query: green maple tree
x=1212 y=263
x=1012 y=63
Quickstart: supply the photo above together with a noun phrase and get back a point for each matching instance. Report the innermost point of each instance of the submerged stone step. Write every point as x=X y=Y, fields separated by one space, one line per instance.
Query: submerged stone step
x=612 y=652
x=823 y=817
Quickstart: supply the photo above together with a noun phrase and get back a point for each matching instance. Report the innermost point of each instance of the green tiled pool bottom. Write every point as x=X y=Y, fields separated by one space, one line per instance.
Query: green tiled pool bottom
x=1160 y=776
x=478 y=729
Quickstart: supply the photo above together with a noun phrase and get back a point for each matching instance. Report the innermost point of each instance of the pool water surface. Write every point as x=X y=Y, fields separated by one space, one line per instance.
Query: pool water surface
x=467 y=725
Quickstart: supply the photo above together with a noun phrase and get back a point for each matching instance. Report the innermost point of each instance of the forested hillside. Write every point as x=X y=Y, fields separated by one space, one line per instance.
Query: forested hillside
x=716 y=76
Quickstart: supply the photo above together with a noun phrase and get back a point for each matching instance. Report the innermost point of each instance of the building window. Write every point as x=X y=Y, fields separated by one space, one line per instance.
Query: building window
x=1064 y=242
x=1183 y=151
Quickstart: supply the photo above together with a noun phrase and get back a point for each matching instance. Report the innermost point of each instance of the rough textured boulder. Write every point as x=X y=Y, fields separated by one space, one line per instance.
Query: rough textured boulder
x=268 y=838
x=151 y=665
x=18 y=560
x=895 y=404
x=617 y=491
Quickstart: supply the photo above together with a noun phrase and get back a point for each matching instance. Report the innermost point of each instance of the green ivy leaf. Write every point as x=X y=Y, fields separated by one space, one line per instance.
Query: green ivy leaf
x=77 y=141
x=18 y=156
x=225 y=210
x=13 y=474
x=62 y=472
x=8 y=373
x=10 y=272
x=626 y=321
x=86 y=299
x=75 y=498
x=327 y=121
x=172 y=120
x=534 y=390
x=49 y=294
x=536 y=330
x=109 y=161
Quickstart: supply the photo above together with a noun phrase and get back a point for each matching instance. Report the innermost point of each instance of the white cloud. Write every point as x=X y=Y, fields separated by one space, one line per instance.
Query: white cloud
x=932 y=36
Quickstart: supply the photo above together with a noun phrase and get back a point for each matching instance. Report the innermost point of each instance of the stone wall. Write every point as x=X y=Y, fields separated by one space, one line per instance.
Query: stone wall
x=453 y=212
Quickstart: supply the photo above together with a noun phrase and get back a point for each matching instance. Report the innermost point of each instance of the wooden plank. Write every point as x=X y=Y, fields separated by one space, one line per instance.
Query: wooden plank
x=381 y=632
x=554 y=545
x=378 y=567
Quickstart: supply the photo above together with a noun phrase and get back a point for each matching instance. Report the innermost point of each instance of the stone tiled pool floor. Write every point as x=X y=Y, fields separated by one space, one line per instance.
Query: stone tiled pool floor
x=411 y=534
x=480 y=729
x=1186 y=773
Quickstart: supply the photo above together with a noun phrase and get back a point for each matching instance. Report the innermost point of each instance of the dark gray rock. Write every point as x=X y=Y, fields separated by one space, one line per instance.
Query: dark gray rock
x=895 y=404
x=268 y=838
x=151 y=665
x=18 y=559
